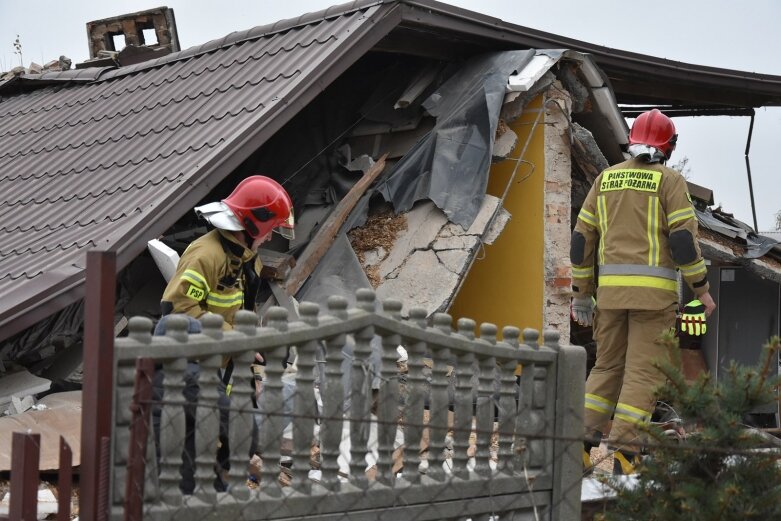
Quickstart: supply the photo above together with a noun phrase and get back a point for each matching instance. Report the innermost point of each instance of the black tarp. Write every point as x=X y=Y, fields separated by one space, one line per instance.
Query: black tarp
x=450 y=164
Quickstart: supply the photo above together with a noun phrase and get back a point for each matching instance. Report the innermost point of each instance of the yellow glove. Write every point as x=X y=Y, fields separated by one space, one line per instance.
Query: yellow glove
x=693 y=318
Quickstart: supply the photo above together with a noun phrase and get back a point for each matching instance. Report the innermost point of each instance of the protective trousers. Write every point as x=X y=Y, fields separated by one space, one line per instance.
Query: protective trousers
x=623 y=380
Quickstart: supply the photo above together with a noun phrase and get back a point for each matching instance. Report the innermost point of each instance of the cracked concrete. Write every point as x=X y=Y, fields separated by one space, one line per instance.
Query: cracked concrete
x=429 y=259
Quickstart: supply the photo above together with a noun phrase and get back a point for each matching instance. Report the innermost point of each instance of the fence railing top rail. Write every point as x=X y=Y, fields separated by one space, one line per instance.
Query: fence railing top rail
x=337 y=320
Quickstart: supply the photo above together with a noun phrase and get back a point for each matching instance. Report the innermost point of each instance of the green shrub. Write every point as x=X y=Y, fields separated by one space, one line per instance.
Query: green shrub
x=723 y=470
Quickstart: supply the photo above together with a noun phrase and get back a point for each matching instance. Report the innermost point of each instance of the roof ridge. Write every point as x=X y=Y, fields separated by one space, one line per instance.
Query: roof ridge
x=166 y=80
x=253 y=33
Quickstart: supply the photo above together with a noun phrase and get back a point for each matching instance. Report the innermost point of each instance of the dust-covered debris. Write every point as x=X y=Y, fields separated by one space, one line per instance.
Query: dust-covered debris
x=377 y=235
x=48 y=483
x=501 y=128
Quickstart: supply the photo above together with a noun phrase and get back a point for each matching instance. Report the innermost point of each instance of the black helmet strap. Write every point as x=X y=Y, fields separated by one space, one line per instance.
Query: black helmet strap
x=263 y=214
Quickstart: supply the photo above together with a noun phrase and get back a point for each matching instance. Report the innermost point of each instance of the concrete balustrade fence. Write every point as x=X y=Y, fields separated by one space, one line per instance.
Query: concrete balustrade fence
x=495 y=446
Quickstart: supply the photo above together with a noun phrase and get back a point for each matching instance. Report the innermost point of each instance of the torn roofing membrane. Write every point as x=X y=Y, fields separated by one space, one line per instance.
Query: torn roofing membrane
x=450 y=164
x=757 y=245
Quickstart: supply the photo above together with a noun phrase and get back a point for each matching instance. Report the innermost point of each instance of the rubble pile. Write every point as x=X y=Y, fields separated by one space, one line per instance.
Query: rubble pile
x=62 y=64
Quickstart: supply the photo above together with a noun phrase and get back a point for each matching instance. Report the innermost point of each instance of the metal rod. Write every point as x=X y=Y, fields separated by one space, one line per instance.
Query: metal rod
x=25 y=454
x=98 y=375
x=139 y=432
x=748 y=172
x=64 y=481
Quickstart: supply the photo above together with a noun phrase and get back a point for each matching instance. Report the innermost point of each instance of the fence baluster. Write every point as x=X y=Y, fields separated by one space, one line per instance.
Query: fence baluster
x=304 y=407
x=272 y=404
x=550 y=342
x=140 y=332
x=462 y=424
x=333 y=398
x=172 y=416
x=523 y=424
x=485 y=403
x=361 y=394
x=151 y=471
x=207 y=427
x=438 y=408
x=507 y=402
x=242 y=422
x=388 y=400
x=413 y=411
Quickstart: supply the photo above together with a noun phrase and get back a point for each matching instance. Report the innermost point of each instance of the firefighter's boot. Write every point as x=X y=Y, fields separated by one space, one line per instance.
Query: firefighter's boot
x=625 y=463
x=588 y=465
x=589 y=443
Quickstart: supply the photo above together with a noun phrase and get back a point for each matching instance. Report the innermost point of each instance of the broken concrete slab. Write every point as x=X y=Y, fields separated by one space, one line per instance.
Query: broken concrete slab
x=501 y=219
x=19 y=384
x=19 y=405
x=454 y=260
x=424 y=223
x=62 y=416
x=422 y=279
x=429 y=259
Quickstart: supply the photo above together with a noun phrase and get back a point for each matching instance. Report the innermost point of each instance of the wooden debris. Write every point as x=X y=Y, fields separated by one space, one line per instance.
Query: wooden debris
x=276 y=265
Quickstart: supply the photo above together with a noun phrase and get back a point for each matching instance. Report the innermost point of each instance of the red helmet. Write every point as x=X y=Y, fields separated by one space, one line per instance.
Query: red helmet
x=261 y=205
x=654 y=129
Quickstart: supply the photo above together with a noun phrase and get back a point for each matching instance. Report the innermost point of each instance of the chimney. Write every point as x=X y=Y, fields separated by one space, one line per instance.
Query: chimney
x=131 y=38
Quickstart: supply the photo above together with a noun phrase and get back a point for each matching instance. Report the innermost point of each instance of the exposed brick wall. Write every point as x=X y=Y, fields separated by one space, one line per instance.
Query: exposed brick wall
x=558 y=191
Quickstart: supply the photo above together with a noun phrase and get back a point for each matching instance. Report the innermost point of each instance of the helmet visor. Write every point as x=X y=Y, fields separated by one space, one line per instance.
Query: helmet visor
x=287 y=228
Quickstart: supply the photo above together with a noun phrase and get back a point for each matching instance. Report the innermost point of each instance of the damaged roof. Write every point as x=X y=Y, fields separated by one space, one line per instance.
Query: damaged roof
x=109 y=158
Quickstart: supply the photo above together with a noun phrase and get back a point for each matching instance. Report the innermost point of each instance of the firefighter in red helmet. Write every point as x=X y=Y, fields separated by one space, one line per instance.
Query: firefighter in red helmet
x=636 y=233
x=219 y=273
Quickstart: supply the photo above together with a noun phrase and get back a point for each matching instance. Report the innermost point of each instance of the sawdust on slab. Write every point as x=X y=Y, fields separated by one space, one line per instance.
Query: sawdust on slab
x=380 y=231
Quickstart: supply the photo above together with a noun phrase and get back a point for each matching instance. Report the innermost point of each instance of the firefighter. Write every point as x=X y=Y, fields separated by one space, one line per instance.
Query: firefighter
x=219 y=273
x=635 y=233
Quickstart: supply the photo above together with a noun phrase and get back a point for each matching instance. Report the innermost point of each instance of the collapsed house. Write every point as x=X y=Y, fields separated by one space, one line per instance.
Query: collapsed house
x=490 y=133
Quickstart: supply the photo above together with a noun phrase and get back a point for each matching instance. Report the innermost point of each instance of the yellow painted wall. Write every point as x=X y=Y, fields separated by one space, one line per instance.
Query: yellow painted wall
x=506 y=286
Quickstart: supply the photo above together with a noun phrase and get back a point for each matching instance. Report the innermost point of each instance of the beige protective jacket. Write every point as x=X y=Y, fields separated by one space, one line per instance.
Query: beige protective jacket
x=210 y=277
x=637 y=227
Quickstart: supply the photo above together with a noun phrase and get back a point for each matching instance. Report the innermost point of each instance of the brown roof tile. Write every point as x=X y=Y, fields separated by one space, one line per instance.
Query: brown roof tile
x=112 y=162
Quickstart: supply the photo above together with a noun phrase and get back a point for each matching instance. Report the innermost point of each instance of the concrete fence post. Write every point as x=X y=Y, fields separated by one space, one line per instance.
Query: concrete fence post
x=567 y=461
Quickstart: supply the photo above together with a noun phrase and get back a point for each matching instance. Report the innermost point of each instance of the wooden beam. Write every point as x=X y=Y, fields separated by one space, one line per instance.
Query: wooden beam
x=276 y=265
x=326 y=235
x=322 y=241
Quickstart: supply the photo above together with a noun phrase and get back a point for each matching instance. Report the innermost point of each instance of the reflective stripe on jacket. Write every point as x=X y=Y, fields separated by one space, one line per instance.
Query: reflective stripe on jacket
x=636 y=229
x=209 y=277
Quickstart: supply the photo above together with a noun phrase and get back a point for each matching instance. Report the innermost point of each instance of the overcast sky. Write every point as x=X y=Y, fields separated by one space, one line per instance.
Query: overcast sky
x=720 y=33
